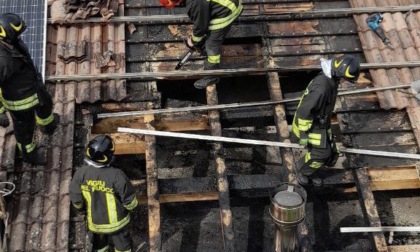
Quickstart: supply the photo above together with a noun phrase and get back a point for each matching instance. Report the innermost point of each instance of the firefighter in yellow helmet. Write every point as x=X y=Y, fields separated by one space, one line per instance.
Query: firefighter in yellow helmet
x=22 y=91
x=107 y=195
x=312 y=120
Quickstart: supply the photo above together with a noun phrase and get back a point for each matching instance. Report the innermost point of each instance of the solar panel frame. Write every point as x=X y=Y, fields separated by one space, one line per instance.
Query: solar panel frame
x=34 y=13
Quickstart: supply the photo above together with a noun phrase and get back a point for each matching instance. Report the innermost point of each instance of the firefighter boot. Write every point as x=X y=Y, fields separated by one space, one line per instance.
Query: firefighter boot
x=302 y=179
x=208 y=80
x=316 y=180
x=49 y=128
x=35 y=157
x=310 y=173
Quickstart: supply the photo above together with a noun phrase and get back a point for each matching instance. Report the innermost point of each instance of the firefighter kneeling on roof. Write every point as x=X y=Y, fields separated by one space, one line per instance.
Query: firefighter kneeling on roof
x=23 y=92
x=312 y=120
x=107 y=194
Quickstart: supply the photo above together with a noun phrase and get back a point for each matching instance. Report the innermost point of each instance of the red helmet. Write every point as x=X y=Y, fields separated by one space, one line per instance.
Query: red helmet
x=169 y=4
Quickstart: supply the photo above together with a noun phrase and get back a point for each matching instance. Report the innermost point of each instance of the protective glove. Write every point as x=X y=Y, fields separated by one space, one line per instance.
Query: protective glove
x=304 y=140
x=199 y=47
x=4 y=120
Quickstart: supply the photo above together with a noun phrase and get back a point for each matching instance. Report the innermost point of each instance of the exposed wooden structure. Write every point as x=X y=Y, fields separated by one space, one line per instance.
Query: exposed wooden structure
x=127 y=63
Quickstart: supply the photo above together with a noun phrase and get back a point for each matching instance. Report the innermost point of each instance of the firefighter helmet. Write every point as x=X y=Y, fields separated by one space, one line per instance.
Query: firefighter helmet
x=169 y=4
x=346 y=67
x=101 y=150
x=11 y=26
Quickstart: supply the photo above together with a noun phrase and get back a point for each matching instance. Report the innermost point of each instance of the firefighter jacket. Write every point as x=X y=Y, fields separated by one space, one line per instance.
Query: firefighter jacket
x=18 y=78
x=212 y=15
x=108 y=194
x=313 y=115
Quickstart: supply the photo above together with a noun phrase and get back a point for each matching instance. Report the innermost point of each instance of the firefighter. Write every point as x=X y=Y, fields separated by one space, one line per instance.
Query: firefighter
x=22 y=92
x=107 y=195
x=212 y=21
x=312 y=120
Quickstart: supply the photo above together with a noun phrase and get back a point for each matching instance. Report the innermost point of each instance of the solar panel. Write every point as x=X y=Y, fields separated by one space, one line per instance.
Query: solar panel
x=34 y=13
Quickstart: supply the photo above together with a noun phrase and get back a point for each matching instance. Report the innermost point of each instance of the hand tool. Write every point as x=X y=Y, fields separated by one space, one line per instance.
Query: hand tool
x=373 y=23
x=184 y=59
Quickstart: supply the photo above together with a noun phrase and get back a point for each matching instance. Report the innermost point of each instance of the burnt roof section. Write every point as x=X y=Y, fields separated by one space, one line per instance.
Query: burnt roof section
x=40 y=205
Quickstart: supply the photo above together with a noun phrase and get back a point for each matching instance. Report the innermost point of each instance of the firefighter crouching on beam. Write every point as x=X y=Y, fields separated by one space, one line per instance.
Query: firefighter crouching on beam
x=212 y=21
x=107 y=195
x=22 y=91
x=312 y=120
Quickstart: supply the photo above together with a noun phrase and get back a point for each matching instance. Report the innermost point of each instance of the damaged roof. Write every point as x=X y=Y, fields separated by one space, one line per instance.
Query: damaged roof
x=40 y=206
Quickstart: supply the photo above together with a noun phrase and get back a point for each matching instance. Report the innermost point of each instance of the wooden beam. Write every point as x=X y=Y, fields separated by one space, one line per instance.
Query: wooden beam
x=370 y=212
x=110 y=125
x=222 y=182
x=176 y=198
x=404 y=248
x=391 y=178
x=153 y=204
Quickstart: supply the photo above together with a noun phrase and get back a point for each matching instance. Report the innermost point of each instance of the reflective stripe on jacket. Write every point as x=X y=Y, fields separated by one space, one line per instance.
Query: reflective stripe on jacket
x=18 y=77
x=317 y=101
x=21 y=104
x=108 y=195
x=212 y=15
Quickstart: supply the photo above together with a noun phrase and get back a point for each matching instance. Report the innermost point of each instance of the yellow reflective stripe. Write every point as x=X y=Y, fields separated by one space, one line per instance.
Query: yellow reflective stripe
x=86 y=195
x=313 y=164
x=20 y=104
x=78 y=206
x=112 y=208
x=219 y=23
x=316 y=165
x=307 y=157
x=45 y=121
x=104 y=249
x=116 y=250
x=196 y=39
x=214 y=59
x=109 y=228
x=132 y=204
x=304 y=125
x=295 y=130
x=315 y=139
x=17 y=28
x=28 y=148
x=347 y=74
x=2 y=32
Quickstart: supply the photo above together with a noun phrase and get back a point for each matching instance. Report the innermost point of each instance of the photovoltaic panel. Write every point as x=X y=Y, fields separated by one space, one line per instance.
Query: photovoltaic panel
x=33 y=12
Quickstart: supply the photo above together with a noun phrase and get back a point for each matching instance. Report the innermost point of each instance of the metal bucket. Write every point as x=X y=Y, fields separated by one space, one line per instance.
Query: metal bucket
x=287 y=209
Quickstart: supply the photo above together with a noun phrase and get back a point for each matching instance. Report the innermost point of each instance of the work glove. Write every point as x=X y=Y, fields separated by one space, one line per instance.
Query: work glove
x=304 y=140
x=199 y=47
x=4 y=120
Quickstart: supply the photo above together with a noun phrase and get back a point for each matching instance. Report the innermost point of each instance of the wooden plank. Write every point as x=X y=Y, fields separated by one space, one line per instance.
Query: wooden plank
x=404 y=248
x=190 y=197
x=392 y=178
x=110 y=125
x=222 y=182
x=128 y=144
x=370 y=212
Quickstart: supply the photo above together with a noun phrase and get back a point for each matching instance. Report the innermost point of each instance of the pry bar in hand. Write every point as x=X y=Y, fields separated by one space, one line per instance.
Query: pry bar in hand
x=184 y=59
